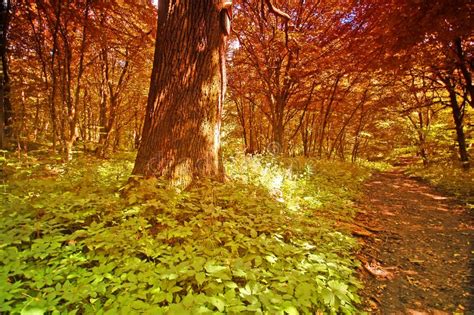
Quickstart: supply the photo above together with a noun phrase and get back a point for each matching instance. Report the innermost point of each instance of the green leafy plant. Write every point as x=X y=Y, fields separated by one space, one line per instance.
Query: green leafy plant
x=263 y=242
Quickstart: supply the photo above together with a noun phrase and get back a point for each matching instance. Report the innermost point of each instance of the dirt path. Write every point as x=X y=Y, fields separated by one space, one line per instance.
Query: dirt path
x=417 y=258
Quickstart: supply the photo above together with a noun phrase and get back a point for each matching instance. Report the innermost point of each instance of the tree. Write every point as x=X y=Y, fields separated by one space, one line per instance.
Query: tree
x=5 y=106
x=77 y=72
x=436 y=35
x=284 y=67
x=119 y=43
x=181 y=133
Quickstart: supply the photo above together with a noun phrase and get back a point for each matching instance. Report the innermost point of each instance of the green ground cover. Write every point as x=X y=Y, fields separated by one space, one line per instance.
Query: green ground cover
x=78 y=238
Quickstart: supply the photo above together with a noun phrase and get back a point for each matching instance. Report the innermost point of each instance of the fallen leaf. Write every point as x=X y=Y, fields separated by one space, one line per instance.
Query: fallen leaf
x=380 y=272
x=373 y=304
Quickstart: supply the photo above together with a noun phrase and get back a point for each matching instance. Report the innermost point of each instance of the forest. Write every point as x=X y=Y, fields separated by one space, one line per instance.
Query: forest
x=246 y=156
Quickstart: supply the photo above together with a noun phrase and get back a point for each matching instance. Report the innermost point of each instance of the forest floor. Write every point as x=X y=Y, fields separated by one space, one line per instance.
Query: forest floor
x=417 y=250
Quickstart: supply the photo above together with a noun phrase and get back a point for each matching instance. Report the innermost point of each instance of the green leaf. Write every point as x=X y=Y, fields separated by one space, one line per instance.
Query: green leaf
x=271 y=259
x=177 y=309
x=253 y=233
x=231 y=285
x=33 y=311
x=339 y=289
x=218 y=302
x=214 y=268
x=200 y=277
x=328 y=297
x=291 y=310
x=303 y=290
x=239 y=273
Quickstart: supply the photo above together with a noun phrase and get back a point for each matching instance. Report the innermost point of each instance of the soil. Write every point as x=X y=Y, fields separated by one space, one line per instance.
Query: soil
x=416 y=248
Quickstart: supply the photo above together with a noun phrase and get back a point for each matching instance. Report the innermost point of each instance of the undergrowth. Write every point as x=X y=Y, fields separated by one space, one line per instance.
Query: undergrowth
x=77 y=239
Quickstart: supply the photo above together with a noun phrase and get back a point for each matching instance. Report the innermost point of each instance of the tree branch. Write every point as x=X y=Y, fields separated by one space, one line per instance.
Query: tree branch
x=280 y=13
x=277 y=11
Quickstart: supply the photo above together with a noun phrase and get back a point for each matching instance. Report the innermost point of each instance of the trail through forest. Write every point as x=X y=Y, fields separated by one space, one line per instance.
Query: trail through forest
x=416 y=250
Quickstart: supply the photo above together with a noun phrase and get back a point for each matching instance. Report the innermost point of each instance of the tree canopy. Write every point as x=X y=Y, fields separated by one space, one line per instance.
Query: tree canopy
x=246 y=156
x=320 y=78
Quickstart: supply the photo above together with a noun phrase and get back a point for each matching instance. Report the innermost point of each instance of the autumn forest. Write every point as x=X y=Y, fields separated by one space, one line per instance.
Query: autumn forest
x=246 y=156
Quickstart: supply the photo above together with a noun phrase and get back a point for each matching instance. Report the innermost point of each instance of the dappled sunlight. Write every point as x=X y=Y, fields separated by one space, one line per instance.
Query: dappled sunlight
x=387 y=213
x=422 y=247
x=411 y=185
x=301 y=187
x=435 y=197
x=374 y=183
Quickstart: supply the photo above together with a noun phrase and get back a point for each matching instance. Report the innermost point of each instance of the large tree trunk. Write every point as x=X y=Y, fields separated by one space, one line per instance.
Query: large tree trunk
x=5 y=105
x=181 y=133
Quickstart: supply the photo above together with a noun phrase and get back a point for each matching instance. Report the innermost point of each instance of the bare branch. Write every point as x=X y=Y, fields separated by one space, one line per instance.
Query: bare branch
x=280 y=13
x=277 y=11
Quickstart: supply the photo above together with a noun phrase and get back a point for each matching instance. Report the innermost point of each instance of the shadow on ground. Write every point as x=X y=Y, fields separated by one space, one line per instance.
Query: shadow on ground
x=418 y=257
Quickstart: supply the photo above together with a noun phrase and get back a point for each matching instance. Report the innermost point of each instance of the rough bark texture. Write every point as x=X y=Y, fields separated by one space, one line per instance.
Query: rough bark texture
x=181 y=133
x=5 y=105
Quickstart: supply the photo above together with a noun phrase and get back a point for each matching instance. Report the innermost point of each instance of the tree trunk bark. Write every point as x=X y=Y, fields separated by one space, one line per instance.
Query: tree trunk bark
x=327 y=114
x=461 y=138
x=458 y=117
x=5 y=105
x=464 y=70
x=181 y=133
x=278 y=146
x=422 y=139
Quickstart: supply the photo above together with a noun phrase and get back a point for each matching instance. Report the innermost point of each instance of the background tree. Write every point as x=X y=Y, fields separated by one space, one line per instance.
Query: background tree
x=327 y=79
x=434 y=35
x=5 y=105
x=78 y=73
x=285 y=68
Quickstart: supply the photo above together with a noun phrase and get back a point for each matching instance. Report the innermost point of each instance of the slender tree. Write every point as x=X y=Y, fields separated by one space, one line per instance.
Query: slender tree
x=5 y=105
